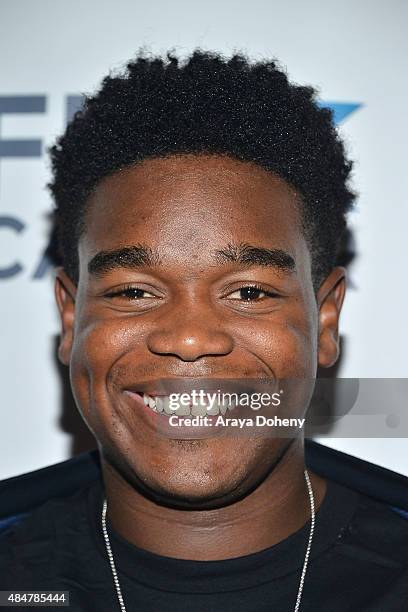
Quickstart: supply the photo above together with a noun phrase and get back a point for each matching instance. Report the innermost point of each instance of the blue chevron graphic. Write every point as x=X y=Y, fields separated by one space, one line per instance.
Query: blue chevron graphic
x=341 y=110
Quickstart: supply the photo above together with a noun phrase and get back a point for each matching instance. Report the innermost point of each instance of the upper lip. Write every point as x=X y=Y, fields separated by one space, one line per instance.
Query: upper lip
x=165 y=386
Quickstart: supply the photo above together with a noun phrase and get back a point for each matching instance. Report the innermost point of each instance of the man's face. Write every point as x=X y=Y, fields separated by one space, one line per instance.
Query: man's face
x=133 y=320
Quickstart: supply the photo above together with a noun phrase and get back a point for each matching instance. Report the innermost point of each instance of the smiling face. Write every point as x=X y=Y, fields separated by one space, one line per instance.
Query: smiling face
x=191 y=266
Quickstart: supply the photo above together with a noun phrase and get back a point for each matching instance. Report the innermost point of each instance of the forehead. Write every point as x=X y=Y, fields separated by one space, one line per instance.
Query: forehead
x=188 y=202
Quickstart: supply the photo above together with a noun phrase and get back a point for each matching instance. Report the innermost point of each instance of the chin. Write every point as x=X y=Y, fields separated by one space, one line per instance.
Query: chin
x=192 y=494
x=202 y=474
x=189 y=484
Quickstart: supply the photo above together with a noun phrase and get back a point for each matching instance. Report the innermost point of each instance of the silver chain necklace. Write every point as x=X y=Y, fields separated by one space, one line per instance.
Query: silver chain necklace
x=302 y=577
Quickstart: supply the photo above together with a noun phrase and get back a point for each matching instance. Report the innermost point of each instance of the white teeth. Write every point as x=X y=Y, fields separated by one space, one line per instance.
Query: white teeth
x=166 y=405
x=223 y=408
x=182 y=411
x=214 y=410
x=232 y=405
x=200 y=410
x=162 y=404
x=159 y=404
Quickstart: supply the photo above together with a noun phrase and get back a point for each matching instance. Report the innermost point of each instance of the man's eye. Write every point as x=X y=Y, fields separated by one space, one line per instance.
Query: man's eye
x=131 y=293
x=250 y=294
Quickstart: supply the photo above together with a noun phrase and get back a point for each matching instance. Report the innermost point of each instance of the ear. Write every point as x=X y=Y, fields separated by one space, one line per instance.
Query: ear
x=65 y=294
x=330 y=298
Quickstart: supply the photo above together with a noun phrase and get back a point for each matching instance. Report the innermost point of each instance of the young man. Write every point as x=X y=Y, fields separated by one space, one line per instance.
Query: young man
x=200 y=206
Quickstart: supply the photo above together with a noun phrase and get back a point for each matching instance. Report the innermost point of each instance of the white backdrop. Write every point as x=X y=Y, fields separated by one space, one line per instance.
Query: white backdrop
x=354 y=52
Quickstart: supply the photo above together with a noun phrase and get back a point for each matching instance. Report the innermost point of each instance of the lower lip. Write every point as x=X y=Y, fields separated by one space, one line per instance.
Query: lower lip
x=160 y=423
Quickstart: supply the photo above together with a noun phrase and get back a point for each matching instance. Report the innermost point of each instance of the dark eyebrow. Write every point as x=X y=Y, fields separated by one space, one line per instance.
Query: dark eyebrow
x=140 y=255
x=256 y=256
x=126 y=257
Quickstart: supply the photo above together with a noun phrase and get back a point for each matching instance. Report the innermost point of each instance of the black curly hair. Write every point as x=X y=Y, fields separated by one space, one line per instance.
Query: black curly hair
x=213 y=105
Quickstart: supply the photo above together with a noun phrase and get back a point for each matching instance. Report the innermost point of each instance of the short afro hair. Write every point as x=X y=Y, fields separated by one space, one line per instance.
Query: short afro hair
x=206 y=104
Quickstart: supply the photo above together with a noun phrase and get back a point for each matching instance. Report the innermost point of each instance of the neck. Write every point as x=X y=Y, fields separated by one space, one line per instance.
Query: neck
x=278 y=507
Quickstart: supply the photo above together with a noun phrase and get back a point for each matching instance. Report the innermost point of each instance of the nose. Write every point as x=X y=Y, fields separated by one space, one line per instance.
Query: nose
x=190 y=336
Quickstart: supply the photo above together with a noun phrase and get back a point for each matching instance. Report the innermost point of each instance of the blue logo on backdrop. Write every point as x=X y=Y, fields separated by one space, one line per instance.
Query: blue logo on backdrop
x=10 y=148
x=341 y=110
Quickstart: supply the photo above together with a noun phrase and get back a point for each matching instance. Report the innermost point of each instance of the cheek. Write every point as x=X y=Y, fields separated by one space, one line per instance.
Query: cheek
x=286 y=345
x=97 y=346
x=289 y=348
